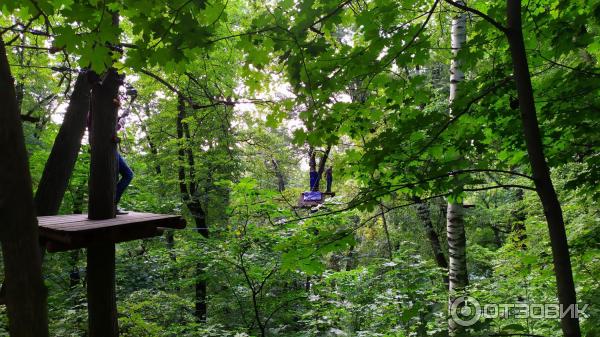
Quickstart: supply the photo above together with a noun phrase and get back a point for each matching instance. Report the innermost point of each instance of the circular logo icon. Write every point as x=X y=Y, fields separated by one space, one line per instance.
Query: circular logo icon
x=465 y=310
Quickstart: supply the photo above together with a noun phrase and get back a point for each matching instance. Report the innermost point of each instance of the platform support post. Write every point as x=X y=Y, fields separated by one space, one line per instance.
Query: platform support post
x=102 y=302
x=101 y=294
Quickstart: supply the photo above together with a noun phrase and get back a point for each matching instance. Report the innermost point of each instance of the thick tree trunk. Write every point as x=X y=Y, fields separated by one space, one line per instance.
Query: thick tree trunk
x=434 y=240
x=102 y=304
x=541 y=173
x=103 y=159
x=25 y=291
x=63 y=156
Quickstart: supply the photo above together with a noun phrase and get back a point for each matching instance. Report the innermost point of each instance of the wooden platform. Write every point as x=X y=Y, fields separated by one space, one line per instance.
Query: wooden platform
x=312 y=203
x=66 y=232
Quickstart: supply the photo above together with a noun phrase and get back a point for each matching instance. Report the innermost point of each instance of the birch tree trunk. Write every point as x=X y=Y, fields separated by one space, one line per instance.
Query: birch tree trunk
x=457 y=260
x=455 y=226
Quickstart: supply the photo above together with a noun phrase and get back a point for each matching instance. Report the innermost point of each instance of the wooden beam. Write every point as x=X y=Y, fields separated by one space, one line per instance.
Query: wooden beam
x=103 y=146
x=102 y=302
x=65 y=150
x=101 y=295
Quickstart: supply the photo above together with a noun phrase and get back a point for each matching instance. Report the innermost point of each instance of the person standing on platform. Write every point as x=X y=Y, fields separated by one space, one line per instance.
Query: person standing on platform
x=125 y=172
x=329 y=179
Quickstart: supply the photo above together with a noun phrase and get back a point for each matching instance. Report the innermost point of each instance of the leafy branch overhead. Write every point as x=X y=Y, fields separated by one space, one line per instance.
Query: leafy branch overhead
x=345 y=167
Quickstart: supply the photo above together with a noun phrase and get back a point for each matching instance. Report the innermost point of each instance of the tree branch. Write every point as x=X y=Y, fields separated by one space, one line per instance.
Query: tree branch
x=499 y=186
x=492 y=170
x=414 y=38
x=30 y=119
x=464 y=111
x=478 y=13
x=328 y=15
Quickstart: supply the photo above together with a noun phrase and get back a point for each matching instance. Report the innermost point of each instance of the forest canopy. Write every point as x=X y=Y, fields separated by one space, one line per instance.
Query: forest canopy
x=344 y=167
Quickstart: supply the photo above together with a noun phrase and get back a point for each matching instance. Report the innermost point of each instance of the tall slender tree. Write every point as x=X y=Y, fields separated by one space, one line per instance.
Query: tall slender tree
x=537 y=159
x=455 y=225
x=432 y=236
x=539 y=167
x=188 y=188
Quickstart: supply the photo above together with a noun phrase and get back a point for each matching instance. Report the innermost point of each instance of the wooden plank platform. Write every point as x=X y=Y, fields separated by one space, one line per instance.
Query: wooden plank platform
x=311 y=203
x=66 y=232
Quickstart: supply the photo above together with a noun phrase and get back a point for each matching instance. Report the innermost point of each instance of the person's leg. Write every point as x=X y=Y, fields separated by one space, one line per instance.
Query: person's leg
x=126 y=177
x=314 y=181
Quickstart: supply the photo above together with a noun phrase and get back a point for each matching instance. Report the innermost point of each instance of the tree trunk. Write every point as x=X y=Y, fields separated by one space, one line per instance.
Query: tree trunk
x=518 y=225
x=188 y=190
x=455 y=226
x=74 y=275
x=457 y=259
x=541 y=172
x=151 y=145
x=322 y=163
x=63 y=156
x=434 y=240
x=78 y=199
x=102 y=303
x=201 y=305
x=103 y=147
x=25 y=291
x=386 y=232
x=279 y=174
x=20 y=85
x=458 y=37
x=170 y=239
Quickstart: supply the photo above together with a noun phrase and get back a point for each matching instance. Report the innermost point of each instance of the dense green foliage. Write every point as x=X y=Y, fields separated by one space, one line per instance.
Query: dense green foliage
x=253 y=87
